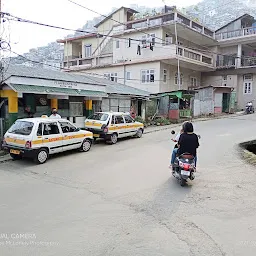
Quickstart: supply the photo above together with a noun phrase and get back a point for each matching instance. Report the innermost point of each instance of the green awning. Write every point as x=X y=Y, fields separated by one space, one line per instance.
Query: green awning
x=24 y=88
x=177 y=94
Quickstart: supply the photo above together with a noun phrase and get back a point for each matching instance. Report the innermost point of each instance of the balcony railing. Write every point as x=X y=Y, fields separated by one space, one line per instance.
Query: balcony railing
x=248 y=62
x=225 y=62
x=163 y=19
x=194 y=55
x=77 y=62
x=236 y=33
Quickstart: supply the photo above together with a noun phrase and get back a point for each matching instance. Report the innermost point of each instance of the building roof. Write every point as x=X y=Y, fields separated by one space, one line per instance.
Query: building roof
x=246 y=15
x=48 y=74
x=118 y=88
x=76 y=38
x=110 y=15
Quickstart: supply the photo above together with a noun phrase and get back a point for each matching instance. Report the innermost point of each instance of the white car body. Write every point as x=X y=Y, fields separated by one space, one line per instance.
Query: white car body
x=106 y=125
x=53 y=135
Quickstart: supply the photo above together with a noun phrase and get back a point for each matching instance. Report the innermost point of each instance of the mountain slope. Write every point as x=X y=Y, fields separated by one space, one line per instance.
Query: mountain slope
x=212 y=13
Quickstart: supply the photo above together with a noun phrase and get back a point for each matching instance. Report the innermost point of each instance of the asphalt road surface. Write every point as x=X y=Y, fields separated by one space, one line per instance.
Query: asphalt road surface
x=121 y=199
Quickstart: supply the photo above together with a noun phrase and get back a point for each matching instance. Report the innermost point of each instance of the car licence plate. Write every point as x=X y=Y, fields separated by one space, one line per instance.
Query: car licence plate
x=16 y=152
x=187 y=173
x=96 y=135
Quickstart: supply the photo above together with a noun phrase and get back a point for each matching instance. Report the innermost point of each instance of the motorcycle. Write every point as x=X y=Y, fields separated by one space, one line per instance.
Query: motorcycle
x=184 y=167
x=249 y=109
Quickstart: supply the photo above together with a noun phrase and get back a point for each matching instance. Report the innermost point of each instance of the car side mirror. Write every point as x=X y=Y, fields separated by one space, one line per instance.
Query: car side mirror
x=199 y=137
x=172 y=132
x=77 y=129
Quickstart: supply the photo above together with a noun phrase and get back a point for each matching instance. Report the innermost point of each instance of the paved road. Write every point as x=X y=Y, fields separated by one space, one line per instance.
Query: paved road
x=121 y=200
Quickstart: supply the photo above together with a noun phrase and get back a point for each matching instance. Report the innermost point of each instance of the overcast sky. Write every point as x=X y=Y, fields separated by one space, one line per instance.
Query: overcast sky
x=60 y=13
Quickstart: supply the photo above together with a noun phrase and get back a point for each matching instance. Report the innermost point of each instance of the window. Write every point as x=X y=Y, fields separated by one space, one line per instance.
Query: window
x=193 y=82
x=128 y=119
x=40 y=130
x=113 y=77
x=144 y=41
x=248 y=77
x=177 y=79
x=168 y=39
x=51 y=129
x=128 y=43
x=148 y=76
x=119 y=120
x=153 y=39
x=128 y=75
x=117 y=44
x=165 y=75
x=99 y=117
x=107 y=76
x=67 y=127
x=247 y=87
x=21 y=127
x=88 y=50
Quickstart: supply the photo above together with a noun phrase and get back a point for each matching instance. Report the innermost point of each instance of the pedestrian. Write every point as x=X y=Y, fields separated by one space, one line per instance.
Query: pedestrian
x=29 y=112
x=55 y=114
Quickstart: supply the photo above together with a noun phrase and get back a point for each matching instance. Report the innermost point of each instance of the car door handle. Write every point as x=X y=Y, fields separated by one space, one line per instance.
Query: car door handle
x=46 y=138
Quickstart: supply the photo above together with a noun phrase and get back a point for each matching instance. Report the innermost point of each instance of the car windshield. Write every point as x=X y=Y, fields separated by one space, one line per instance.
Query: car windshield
x=21 y=127
x=99 y=117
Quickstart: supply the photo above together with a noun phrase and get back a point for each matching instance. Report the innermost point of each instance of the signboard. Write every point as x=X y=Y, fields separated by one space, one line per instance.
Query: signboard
x=64 y=84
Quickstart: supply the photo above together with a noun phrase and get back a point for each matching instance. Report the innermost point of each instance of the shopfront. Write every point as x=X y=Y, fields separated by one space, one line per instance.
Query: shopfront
x=25 y=95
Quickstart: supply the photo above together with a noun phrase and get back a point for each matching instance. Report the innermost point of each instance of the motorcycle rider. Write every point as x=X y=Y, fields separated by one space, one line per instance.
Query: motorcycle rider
x=249 y=105
x=188 y=141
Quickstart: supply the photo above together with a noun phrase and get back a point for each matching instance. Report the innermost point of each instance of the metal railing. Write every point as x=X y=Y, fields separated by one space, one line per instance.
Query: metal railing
x=236 y=33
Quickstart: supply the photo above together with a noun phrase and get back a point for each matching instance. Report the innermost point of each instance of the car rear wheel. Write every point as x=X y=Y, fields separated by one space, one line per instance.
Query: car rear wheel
x=41 y=156
x=113 y=138
x=15 y=157
x=86 y=146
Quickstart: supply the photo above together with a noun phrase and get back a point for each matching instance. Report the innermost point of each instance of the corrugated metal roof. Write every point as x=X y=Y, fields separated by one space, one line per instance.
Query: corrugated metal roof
x=54 y=90
x=41 y=73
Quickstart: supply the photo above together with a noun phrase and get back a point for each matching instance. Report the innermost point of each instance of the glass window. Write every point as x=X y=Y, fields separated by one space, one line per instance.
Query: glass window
x=51 y=129
x=193 y=82
x=21 y=127
x=88 y=50
x=117 y=44
x=148 y=76
x=119 y=120
x=177 y=79
x=40 y=130
x=128 y=75
x=128 y=119
x=67 y=127
x=247 y=88
x=99 y=117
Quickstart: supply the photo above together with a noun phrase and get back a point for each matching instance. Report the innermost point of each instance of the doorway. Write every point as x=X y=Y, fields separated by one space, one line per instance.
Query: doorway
x=225 y=102
x=139 y=107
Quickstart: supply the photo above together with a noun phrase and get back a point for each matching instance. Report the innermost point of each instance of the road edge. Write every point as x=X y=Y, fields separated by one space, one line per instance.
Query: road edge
x=248 y=156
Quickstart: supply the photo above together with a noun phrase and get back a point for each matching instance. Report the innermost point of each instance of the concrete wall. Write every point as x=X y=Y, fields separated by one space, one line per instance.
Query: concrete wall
x=170 y=85
x=244 y=98
x=135 y=75
x=130 y=53
x=217 y=80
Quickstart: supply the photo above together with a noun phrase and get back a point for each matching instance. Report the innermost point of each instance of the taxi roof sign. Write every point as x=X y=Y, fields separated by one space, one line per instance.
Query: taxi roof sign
x=44 y=116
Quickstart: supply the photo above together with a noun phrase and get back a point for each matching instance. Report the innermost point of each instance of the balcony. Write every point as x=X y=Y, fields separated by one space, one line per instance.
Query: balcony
x=164 y=19
x=77 y=62
x=236 y=33
x=248 y=62
x=195 y=56
x=225 y=62
x=83 y=63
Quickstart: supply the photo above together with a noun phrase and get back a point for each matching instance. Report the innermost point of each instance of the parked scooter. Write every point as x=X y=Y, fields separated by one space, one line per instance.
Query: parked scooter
x=249 y=109
x=184 y=167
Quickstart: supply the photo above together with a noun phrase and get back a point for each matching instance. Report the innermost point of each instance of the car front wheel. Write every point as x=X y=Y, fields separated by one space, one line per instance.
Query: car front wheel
x=86 y=146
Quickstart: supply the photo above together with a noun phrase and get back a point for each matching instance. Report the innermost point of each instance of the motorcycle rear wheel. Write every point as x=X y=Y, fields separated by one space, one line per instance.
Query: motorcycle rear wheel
x=182 y=182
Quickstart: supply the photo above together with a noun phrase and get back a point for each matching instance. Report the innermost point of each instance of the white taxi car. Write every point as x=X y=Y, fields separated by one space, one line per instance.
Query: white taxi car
x=38 y=138
x=113 y=125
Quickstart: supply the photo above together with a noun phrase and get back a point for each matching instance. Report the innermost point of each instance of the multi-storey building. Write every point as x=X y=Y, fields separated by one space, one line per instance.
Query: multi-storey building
x=235 y=59
x=143 y=53
x=167 y=52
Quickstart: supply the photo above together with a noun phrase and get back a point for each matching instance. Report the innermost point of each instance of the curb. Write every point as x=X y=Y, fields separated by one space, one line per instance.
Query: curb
x=5 y=158
x=248 y=156
x=166 y=127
